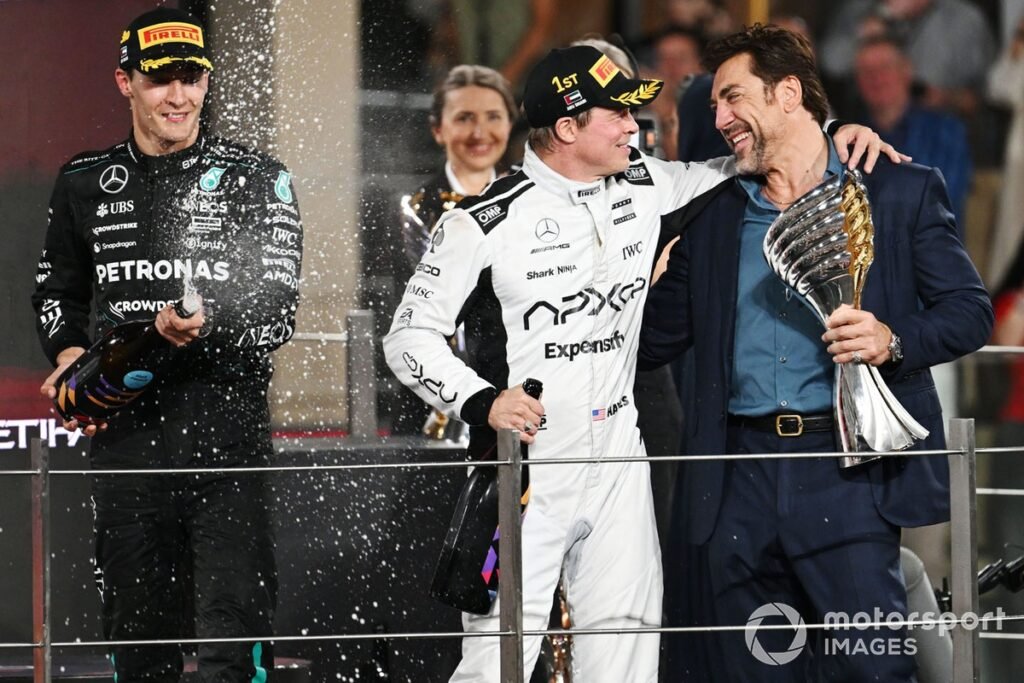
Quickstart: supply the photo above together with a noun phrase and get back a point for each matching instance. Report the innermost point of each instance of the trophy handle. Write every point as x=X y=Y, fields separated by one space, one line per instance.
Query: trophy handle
x=869 y=417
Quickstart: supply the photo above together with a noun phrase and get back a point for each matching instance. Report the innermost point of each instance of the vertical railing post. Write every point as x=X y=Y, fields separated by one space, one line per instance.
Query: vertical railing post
x=41 y=561
x=510 y=555
x=362 y=375
x=964 y=535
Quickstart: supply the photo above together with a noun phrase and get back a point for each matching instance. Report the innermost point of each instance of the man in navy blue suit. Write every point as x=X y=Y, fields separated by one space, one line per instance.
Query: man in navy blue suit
x=803 y=532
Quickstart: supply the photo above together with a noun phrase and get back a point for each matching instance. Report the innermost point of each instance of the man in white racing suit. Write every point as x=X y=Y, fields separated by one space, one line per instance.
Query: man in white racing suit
x=549 y=270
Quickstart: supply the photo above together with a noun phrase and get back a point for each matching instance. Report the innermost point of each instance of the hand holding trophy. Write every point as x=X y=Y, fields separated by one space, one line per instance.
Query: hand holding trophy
x=822 y=247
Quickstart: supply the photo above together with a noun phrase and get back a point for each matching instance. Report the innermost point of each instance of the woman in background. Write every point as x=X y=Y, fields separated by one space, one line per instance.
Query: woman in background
x=471 y=117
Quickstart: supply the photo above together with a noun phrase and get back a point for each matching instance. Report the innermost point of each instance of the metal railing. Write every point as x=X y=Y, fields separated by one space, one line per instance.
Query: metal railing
x=962 y=460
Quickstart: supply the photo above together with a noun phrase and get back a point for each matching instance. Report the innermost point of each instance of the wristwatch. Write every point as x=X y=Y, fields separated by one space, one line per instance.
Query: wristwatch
x=896 y=348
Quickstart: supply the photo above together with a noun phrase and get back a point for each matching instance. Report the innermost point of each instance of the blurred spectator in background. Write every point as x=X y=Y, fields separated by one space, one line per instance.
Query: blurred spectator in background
x=470 y=118
x=949 y=43
x=510 y=35
x=675 y=57
x=884 y=76
x=705 y=16
x=1006 y=87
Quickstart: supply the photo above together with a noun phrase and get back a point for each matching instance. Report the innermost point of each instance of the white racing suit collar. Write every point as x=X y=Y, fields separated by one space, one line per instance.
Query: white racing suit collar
x=549 y=179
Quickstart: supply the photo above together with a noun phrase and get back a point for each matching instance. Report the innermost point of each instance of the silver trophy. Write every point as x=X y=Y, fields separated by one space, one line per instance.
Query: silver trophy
x=822 y=247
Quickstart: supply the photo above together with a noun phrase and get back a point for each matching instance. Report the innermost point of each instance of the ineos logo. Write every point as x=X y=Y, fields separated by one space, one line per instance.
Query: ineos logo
x=547 y=230
x=114 y=179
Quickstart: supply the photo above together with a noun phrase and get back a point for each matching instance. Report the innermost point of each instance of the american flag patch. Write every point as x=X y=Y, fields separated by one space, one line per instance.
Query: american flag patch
x=598 y=414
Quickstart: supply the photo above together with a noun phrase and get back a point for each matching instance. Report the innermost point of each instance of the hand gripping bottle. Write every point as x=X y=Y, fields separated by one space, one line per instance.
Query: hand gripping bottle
x=118 y=367
x=467 y=571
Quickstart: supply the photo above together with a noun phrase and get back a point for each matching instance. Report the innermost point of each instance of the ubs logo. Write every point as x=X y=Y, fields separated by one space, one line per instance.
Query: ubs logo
x=547 y=230
x=113 y=179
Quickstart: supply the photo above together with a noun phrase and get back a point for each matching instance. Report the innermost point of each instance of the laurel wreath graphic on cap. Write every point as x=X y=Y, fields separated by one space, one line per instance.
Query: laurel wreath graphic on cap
x=645 y=92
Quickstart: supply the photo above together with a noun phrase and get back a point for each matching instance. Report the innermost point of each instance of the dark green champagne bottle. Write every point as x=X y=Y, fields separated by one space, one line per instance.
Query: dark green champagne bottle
x=117 y=368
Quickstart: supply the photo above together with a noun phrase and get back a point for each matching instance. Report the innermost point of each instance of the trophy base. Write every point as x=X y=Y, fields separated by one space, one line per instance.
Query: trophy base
x=870 y=420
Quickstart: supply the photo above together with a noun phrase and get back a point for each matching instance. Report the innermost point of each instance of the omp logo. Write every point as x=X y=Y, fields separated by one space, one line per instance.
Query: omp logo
x=588 y=300
x=434 y=386
x=638 y=175
x=604 y=71
x=570 y=351
x=631 y=250
x=170 y=32
x=487 y=215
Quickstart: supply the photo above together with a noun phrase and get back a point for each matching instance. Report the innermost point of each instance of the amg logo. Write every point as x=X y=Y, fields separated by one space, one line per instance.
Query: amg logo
x=551 y=247
x=570 y=351
x=487 y=215
x=631 y=250
x=590 y=301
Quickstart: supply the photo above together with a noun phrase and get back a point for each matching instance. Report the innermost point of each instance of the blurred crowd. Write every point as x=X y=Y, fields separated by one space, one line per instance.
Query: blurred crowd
x=930 y=76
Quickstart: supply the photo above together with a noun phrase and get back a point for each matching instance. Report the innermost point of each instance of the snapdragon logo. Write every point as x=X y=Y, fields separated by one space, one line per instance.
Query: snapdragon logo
x=775 y=611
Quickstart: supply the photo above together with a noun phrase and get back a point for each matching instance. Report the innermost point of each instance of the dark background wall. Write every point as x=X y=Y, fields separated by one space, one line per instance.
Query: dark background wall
x=59 y=98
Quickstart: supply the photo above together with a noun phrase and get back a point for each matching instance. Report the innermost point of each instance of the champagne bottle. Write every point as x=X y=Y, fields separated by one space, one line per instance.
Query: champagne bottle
x=467 y=572
x=118 y=367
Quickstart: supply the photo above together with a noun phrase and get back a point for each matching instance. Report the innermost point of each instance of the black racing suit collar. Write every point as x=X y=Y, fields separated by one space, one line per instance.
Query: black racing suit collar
x=167 y=164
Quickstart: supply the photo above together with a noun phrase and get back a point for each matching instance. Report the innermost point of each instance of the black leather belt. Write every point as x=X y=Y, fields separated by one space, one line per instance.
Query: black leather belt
x=784 y=424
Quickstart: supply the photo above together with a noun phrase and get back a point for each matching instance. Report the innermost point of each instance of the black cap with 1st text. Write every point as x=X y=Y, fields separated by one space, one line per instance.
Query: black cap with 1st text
x=573 y=79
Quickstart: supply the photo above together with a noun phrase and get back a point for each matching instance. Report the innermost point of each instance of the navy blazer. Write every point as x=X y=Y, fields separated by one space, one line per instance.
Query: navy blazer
x=922 y=284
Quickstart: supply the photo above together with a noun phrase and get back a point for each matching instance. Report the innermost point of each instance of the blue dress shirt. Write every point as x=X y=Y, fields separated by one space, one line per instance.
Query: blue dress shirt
x=780 y=364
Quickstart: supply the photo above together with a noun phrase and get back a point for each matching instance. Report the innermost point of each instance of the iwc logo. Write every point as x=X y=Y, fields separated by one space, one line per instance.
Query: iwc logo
x=113 y=179
x=547 y=230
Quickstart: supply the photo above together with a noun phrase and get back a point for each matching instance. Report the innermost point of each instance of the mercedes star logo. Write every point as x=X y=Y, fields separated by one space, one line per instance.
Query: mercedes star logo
x=547 y=230
x=114 y=179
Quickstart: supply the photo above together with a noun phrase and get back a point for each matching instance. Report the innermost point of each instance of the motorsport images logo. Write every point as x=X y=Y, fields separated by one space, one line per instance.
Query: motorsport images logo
x=775 y=611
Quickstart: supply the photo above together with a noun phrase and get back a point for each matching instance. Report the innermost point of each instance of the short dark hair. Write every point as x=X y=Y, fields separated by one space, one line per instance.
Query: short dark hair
x=775 y=53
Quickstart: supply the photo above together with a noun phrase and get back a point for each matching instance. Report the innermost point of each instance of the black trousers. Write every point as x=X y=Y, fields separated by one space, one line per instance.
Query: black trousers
x=183 y=556
x=804 y=534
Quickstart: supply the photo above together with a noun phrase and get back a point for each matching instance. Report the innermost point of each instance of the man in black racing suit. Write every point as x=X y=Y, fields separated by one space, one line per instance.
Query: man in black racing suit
x=178 y=554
